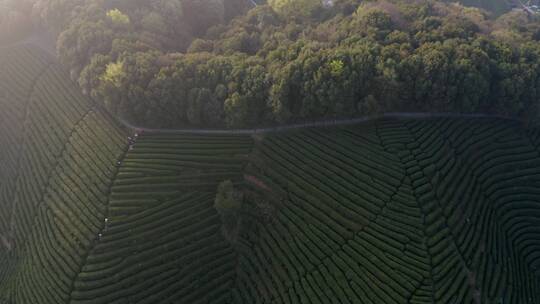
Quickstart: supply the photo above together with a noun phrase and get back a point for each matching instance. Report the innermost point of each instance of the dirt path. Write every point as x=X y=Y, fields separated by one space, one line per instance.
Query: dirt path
x=325 y=123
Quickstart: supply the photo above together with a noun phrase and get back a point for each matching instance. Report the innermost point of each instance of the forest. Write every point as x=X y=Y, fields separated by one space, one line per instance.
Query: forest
x=238 y=63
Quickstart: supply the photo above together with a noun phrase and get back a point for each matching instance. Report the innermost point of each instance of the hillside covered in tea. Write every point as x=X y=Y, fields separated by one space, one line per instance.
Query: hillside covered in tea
x=388 y=211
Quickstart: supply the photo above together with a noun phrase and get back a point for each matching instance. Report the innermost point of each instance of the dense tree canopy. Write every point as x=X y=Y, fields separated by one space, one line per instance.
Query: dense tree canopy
x=170 y=63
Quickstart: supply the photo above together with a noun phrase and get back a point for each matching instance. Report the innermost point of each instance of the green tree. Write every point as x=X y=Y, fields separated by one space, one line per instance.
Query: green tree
x=114 y=74
x=81 y=41
x=236 y=110
x=91 y=76
x=374 y=22
x=248 y=89
x=302 y=8
x=117 y=17
x=336 y=67
x=228 y=203
x=111 y=87
x=201 y=45
x=285 y=98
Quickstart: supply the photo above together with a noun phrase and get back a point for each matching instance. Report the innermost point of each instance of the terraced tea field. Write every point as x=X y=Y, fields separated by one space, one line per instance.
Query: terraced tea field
x=443 y=211
x=389 y=211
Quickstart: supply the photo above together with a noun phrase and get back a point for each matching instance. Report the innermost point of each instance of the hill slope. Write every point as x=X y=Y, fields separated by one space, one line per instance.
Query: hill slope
x=391 y=211
x=435 y=211
x=58 y=160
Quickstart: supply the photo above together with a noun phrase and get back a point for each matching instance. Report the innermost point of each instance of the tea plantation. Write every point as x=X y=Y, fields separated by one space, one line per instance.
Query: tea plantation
x=390 y=211
x=443 y=211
